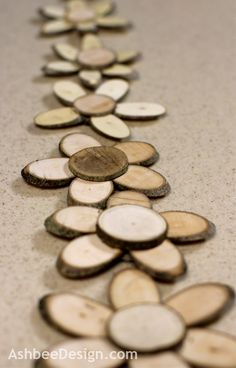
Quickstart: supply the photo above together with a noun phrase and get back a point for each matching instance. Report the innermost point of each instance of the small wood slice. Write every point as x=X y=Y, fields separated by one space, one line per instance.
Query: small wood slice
x=127 y=56
x=131 y=286
x=139 y=153
x=98 y=163
x=206 y=348
x=159 y=360
x=110 y=126
x=55 y=27
x=86 y=256
x=129 y=197
x=103 y=7
x=94 y=105
x=114 y=88
x=202 y=303
x=164 y=262
x=89 y=26
x=73 y=221
x=131 y=227
x=67 y=92
x=119 y=71
x=187 y=227
x=90 y=41
x=146 y=328
x=75 y=315
x=90 y=78
x=112 y=22
x=96 y=58
x=66 y=51
x=72 y=5
x=48 y=173
x=144 y=180
x=52 y=11
x=58 y=118
x=60 y=68
x=74 y=142
x=89 y=193
x=76 y=16
x=139 y=110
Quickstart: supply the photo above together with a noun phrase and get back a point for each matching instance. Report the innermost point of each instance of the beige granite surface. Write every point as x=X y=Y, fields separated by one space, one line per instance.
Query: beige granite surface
x=189 y=67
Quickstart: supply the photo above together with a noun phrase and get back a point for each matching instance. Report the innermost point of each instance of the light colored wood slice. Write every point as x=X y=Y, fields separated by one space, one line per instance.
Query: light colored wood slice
x=67 y=92
x=202 y=303
x=73 y=221
x=159 y=360
x=90 y=41
x=146 y=327
x=94 y=105
x=112 y=22
x=164 y=262
x=131 y=286
x=144 y=180
x=132 y=227
x=186 y=227
x=110 y=126
x=89 y=26
x=74 y=142
x=90 y=78
x=58 y=118
x=119 y=71
x=86 y=256
x=66 y=51
x=88 y=193
x=78 y=15
x=139 y=153
x=55 y=27
x=129 y=197
x=96 y=58
x=48 y=173
x=52 y=11
x=103 y=7
x=206 y=348
x=139 y=110
x=60 y=68
x=98 y=163
x=127 y=56
x=75 y=315
x=76 y=5
x=114 y=88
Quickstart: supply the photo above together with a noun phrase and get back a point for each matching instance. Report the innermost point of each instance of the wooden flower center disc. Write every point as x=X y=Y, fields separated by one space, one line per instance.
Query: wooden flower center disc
x=96 y=58
x=94 y=105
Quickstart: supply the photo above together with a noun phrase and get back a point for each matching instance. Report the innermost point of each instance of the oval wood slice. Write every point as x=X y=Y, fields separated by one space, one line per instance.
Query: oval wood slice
x=103 y=7
x=60 y=68
x=48 y=173
x=202 y=303
x=144 y=180
x=94 y=105
x=206 y=348
x=139 y=153
x=90 y=41
x=89 y=26
x=52 y=11
x=186 y=227
x=132 y=227
x=67 y=92
x=96 y=58
x=88 y=193
x=164 y=262
x=73 y=221
x=58 y=118
x=110 y=126
x=159 y=360
x=129 y=197
x=66 y=51
x=112 y=22
x=131 y=286
x=76 y=5
x=75 y=315
x=127 y=56
x=74 y=142
x=146 y=327
x=86 y=256
x=114 y=88
x=139 y=110
x=76 y=16
x=90 y=78
x=119 y=71
x=98 y=163
x=55 y=27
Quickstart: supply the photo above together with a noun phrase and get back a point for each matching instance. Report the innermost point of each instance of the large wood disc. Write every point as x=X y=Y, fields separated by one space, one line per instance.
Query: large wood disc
x=74 y=142
x=159 y=360
x=139 y=110
x=129 y=197
x=111 y=126
x=114 y=88
x=67 y=92
x=94 y=105
x=96 y=58
x=58 y=118
x=139 y=153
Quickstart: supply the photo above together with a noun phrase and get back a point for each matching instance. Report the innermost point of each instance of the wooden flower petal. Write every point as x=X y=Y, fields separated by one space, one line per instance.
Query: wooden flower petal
x=90 y=41
x=129 y=197
x=94 y=105
x=52 y=11
x=118 y=71
x=110 y=126
x=67 y=92
x=60 y=68
x=55 y=27
x=66 y=51
x=96 y=58
x=114 y=88
x=139 y=110
x=90 y=78
x=103 y=7
x=58 y=118
x=74 y=142
x=112 y=22
x=159 y=360
x=139 y=153
x=127 y=56
x=80 y=15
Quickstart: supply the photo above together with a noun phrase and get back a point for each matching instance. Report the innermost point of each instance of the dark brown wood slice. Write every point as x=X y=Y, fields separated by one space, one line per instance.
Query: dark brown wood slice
x=139 y=153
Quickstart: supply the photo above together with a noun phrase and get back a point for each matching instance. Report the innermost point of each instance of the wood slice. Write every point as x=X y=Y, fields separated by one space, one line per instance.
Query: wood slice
x=139 y=110
x=60 y=68
x=164 y=262
x=86 y=256
x=66 y=51
x=55 y=27
x=129 y=197
x=112 y=22
x=202 y=303
x=90 y=41
x=89 y=26
x=98 y=163
x=58 y=118
x=159 y=360
x=146 y=328
x=52 y=11
x=114 y=88
x=103 y=7
x=74 y=142
x=187 y=227
x=119 y=71
x=139 y=153
x=144 y=180
x=73 y=221
x=127 y=56
x=84 y=14
x=75 y=315
x=94 y=105
x=88 y=193
x=206 y=348
x=131 y=227
x=131 y=286
x=48 y=173
x=67 y=92
x=110 y=126
x=72 y=5
x=90 y=78
x=96 y=58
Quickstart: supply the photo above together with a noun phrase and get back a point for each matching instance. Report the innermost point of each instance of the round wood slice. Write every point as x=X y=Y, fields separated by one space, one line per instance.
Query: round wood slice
x=186 y=227
x=146 y=328
x=144 y=180
x=159 y=360
x=76 y=16
x=96 y=58
x=60 y=68
x=66 y=51
x=127 y=56
x=58 y=118
x=131 y=286
x=132 y=227
x=89 y=26
x=139 y=110
x=110 y=126
x=94 y=105
x=103 y=7
x=48 y=173
x=114 y=88
x=202 y=303
x=67 y=92
x=74 y=142
x=89 y=193
x=76 y=5
x=90 y=41
x=73 y=221
x=52 y=11
x=55 y=27
x=112 y=22
x=164 y=262
x=129 y=197
x=118 y=71
x=75 y=315
x=90 y=78
x=86 y=256
x=98 y=163
x=206 y=348
x=139 y=153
